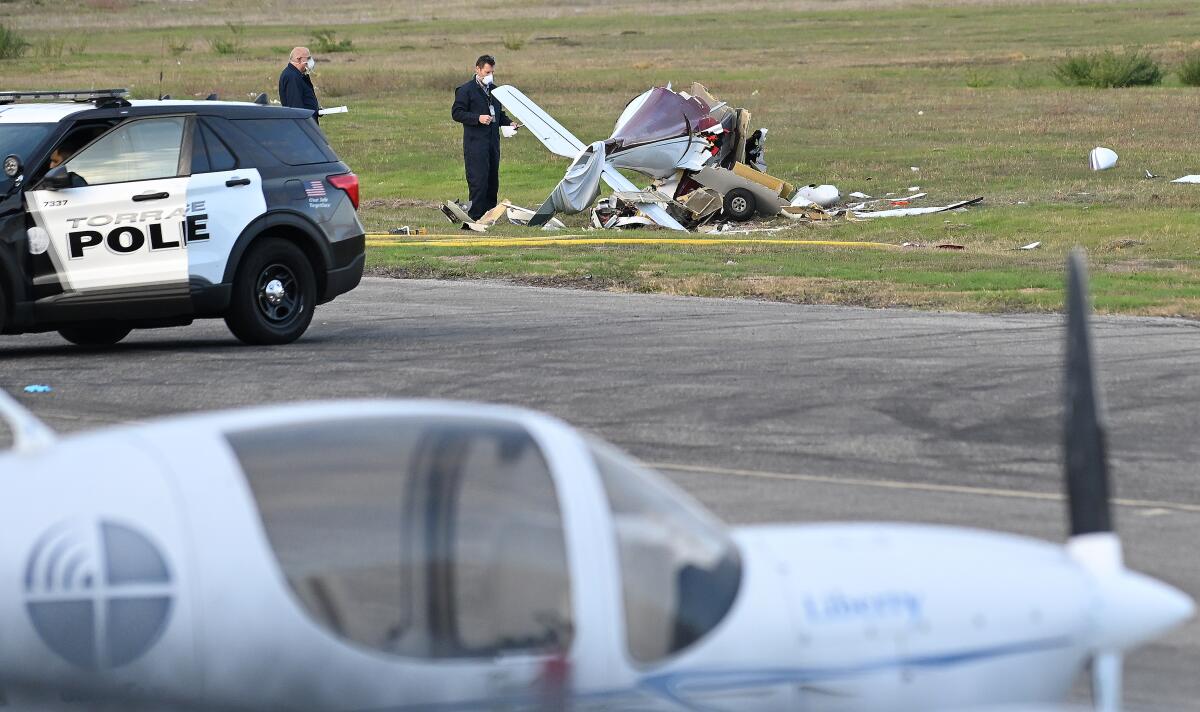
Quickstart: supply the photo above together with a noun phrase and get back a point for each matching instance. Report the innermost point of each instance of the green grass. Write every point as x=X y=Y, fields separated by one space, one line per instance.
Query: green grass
x=854 y=93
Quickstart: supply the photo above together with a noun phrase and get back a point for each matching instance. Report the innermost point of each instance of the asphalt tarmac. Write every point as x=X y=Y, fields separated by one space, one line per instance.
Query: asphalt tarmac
x=763 y=411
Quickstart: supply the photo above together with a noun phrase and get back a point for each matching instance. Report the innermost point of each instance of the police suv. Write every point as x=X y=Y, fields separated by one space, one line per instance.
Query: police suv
x=118 y=215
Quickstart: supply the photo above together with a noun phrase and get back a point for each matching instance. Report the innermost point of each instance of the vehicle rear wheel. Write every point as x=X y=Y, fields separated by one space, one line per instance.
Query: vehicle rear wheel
x=740 y=205
x=95 y=334
x=274 y=293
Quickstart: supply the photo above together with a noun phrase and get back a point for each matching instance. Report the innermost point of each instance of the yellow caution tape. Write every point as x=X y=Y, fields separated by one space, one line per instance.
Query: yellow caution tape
x=567 y=240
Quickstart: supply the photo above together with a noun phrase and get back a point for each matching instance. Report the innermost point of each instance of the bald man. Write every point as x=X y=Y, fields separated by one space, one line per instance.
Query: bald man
x=295 y=86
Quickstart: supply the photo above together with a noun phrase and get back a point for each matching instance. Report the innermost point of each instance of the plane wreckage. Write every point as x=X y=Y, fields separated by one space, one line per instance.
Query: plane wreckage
x=700 y=153
x=705 y=162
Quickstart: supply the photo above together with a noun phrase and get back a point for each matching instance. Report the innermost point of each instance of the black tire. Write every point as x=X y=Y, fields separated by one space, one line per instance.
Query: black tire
x=105 y=334
x=740 y=205
x=274 y=293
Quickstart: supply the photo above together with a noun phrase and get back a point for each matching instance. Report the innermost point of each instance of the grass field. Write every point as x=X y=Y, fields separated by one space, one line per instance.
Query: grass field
x=854 y=94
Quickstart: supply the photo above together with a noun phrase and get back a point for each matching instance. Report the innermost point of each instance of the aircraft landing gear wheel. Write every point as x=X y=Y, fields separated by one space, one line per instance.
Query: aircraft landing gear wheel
x=95 y=334
x=274 y=293
x=740 y=205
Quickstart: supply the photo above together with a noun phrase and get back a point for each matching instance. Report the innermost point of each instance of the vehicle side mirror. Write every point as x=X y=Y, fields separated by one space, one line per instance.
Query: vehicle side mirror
x=56 y=178
x=12 y=165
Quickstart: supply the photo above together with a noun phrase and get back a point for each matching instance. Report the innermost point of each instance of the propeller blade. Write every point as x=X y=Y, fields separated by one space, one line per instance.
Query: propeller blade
x=1083 y=437
x=1106 y=682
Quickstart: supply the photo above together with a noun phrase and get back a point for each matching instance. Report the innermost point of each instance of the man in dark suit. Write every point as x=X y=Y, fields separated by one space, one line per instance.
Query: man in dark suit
x=295 y=86
x=481 y=117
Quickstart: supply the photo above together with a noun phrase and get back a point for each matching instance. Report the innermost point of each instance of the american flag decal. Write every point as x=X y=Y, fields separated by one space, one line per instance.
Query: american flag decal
x=314 y=189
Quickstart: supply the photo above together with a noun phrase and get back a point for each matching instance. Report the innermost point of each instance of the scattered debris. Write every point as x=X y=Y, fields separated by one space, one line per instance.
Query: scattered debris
x=861 y=196
x=1151 y=176
x=904 y=212
x=811 y=213
x=912 y=244
x=38 y=388
x=1187 y=179
x=1101 y=159
x=515 y=215
x=950 y=246
x=406 y=230
x=1030 y=246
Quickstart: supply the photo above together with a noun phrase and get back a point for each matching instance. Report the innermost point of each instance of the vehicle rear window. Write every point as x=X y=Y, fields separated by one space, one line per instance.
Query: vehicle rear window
x=209 y=153
x=286 y=139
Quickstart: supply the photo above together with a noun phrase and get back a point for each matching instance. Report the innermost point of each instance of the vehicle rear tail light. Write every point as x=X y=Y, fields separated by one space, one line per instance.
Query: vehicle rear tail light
x=347 y=182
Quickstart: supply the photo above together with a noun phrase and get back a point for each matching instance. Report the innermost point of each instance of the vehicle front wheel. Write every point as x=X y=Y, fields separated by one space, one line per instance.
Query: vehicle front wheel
x=740 y=205
x=274 y=293
x=95 y=334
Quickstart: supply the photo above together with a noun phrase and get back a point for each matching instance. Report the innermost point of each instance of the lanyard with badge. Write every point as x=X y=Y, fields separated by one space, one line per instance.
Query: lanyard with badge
x=488 y=94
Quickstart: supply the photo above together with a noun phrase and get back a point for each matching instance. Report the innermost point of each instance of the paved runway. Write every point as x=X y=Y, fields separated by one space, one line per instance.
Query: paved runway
x=764 y=411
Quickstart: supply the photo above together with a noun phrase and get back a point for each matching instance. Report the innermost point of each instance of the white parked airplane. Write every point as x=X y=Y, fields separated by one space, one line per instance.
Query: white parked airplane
x=446 y=556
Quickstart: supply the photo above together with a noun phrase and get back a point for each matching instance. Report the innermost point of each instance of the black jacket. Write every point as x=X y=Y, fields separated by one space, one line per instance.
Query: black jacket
x=296 y=90
x=471 y=102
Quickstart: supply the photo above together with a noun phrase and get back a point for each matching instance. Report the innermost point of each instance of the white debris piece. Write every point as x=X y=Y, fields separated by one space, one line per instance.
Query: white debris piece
x=1030 y=246
x=1101 y=159
x=1187 y=179
x=903 y=212
x=823 y=195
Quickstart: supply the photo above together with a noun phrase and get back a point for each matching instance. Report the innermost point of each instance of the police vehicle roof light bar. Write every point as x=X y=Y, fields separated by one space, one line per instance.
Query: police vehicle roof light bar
x=77 y=95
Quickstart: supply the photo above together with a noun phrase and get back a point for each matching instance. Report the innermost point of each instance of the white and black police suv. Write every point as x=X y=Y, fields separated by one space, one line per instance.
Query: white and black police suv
x=118 y=215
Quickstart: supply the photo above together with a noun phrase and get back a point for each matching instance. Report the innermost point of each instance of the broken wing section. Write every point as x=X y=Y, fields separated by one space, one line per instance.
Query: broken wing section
x=552 y=134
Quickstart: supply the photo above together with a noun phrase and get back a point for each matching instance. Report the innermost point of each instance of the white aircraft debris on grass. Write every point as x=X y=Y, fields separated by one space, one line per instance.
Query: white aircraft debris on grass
x=446 y=556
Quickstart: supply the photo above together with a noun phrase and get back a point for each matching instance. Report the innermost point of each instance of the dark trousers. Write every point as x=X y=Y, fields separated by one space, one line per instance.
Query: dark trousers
x=482 y=159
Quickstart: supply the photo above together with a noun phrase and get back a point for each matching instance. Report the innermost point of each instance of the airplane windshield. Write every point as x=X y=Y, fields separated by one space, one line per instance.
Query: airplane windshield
x=680 y=572
x=663 y=114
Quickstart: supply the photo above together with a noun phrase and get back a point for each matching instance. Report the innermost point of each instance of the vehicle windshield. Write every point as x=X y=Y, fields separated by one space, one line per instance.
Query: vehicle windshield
x=680 y=572
x=21 y=140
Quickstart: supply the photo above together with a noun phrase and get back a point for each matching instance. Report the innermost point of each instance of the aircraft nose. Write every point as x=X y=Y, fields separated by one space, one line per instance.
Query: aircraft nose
x=1137 y=608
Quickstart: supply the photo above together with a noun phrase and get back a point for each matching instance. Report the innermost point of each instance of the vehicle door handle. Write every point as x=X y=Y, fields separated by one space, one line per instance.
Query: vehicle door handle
x=150 y=196
x=236 y=181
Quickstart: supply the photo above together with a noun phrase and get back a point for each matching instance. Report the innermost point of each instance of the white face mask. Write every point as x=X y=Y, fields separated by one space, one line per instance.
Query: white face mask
x=487 y=80
x=310 y=63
